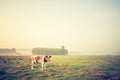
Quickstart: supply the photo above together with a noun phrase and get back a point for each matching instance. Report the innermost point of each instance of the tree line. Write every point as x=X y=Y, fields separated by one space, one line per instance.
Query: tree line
x=49 y=51
x=13 y=50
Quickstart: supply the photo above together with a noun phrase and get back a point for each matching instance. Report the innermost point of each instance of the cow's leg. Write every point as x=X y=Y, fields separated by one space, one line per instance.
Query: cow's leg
x=32 y=63
x=42 y=65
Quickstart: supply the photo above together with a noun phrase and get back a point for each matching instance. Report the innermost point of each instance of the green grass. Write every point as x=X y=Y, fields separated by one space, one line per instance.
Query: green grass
x=61 y=68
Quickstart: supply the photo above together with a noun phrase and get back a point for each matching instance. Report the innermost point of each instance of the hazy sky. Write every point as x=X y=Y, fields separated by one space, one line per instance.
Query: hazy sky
x=76 y=24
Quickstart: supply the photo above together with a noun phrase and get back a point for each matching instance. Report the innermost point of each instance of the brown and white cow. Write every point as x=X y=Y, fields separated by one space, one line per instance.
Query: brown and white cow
x=40 y=59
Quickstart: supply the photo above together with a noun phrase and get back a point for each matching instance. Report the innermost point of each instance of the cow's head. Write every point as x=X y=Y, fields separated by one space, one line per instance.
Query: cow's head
x=47 y=58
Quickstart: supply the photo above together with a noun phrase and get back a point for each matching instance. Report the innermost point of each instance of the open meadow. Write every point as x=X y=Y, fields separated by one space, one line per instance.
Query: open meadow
x=61 y=68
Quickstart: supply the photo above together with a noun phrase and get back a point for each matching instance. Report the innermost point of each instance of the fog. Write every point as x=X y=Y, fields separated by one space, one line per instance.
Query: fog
x=80 y=25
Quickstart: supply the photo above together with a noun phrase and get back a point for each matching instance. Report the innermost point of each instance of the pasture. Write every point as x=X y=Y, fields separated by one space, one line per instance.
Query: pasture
x=61 y=68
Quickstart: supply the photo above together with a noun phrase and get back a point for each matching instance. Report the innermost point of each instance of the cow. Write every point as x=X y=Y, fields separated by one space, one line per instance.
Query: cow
x=40 y=59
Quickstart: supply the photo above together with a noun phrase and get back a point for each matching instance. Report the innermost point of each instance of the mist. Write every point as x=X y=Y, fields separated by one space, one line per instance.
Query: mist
x=81 y=26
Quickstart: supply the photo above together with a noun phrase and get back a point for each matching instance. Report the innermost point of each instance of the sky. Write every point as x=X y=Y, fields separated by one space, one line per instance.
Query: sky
x=79 y=25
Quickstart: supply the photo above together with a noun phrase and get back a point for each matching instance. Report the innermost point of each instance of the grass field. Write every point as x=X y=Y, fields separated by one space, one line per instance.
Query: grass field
x=61 y=68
